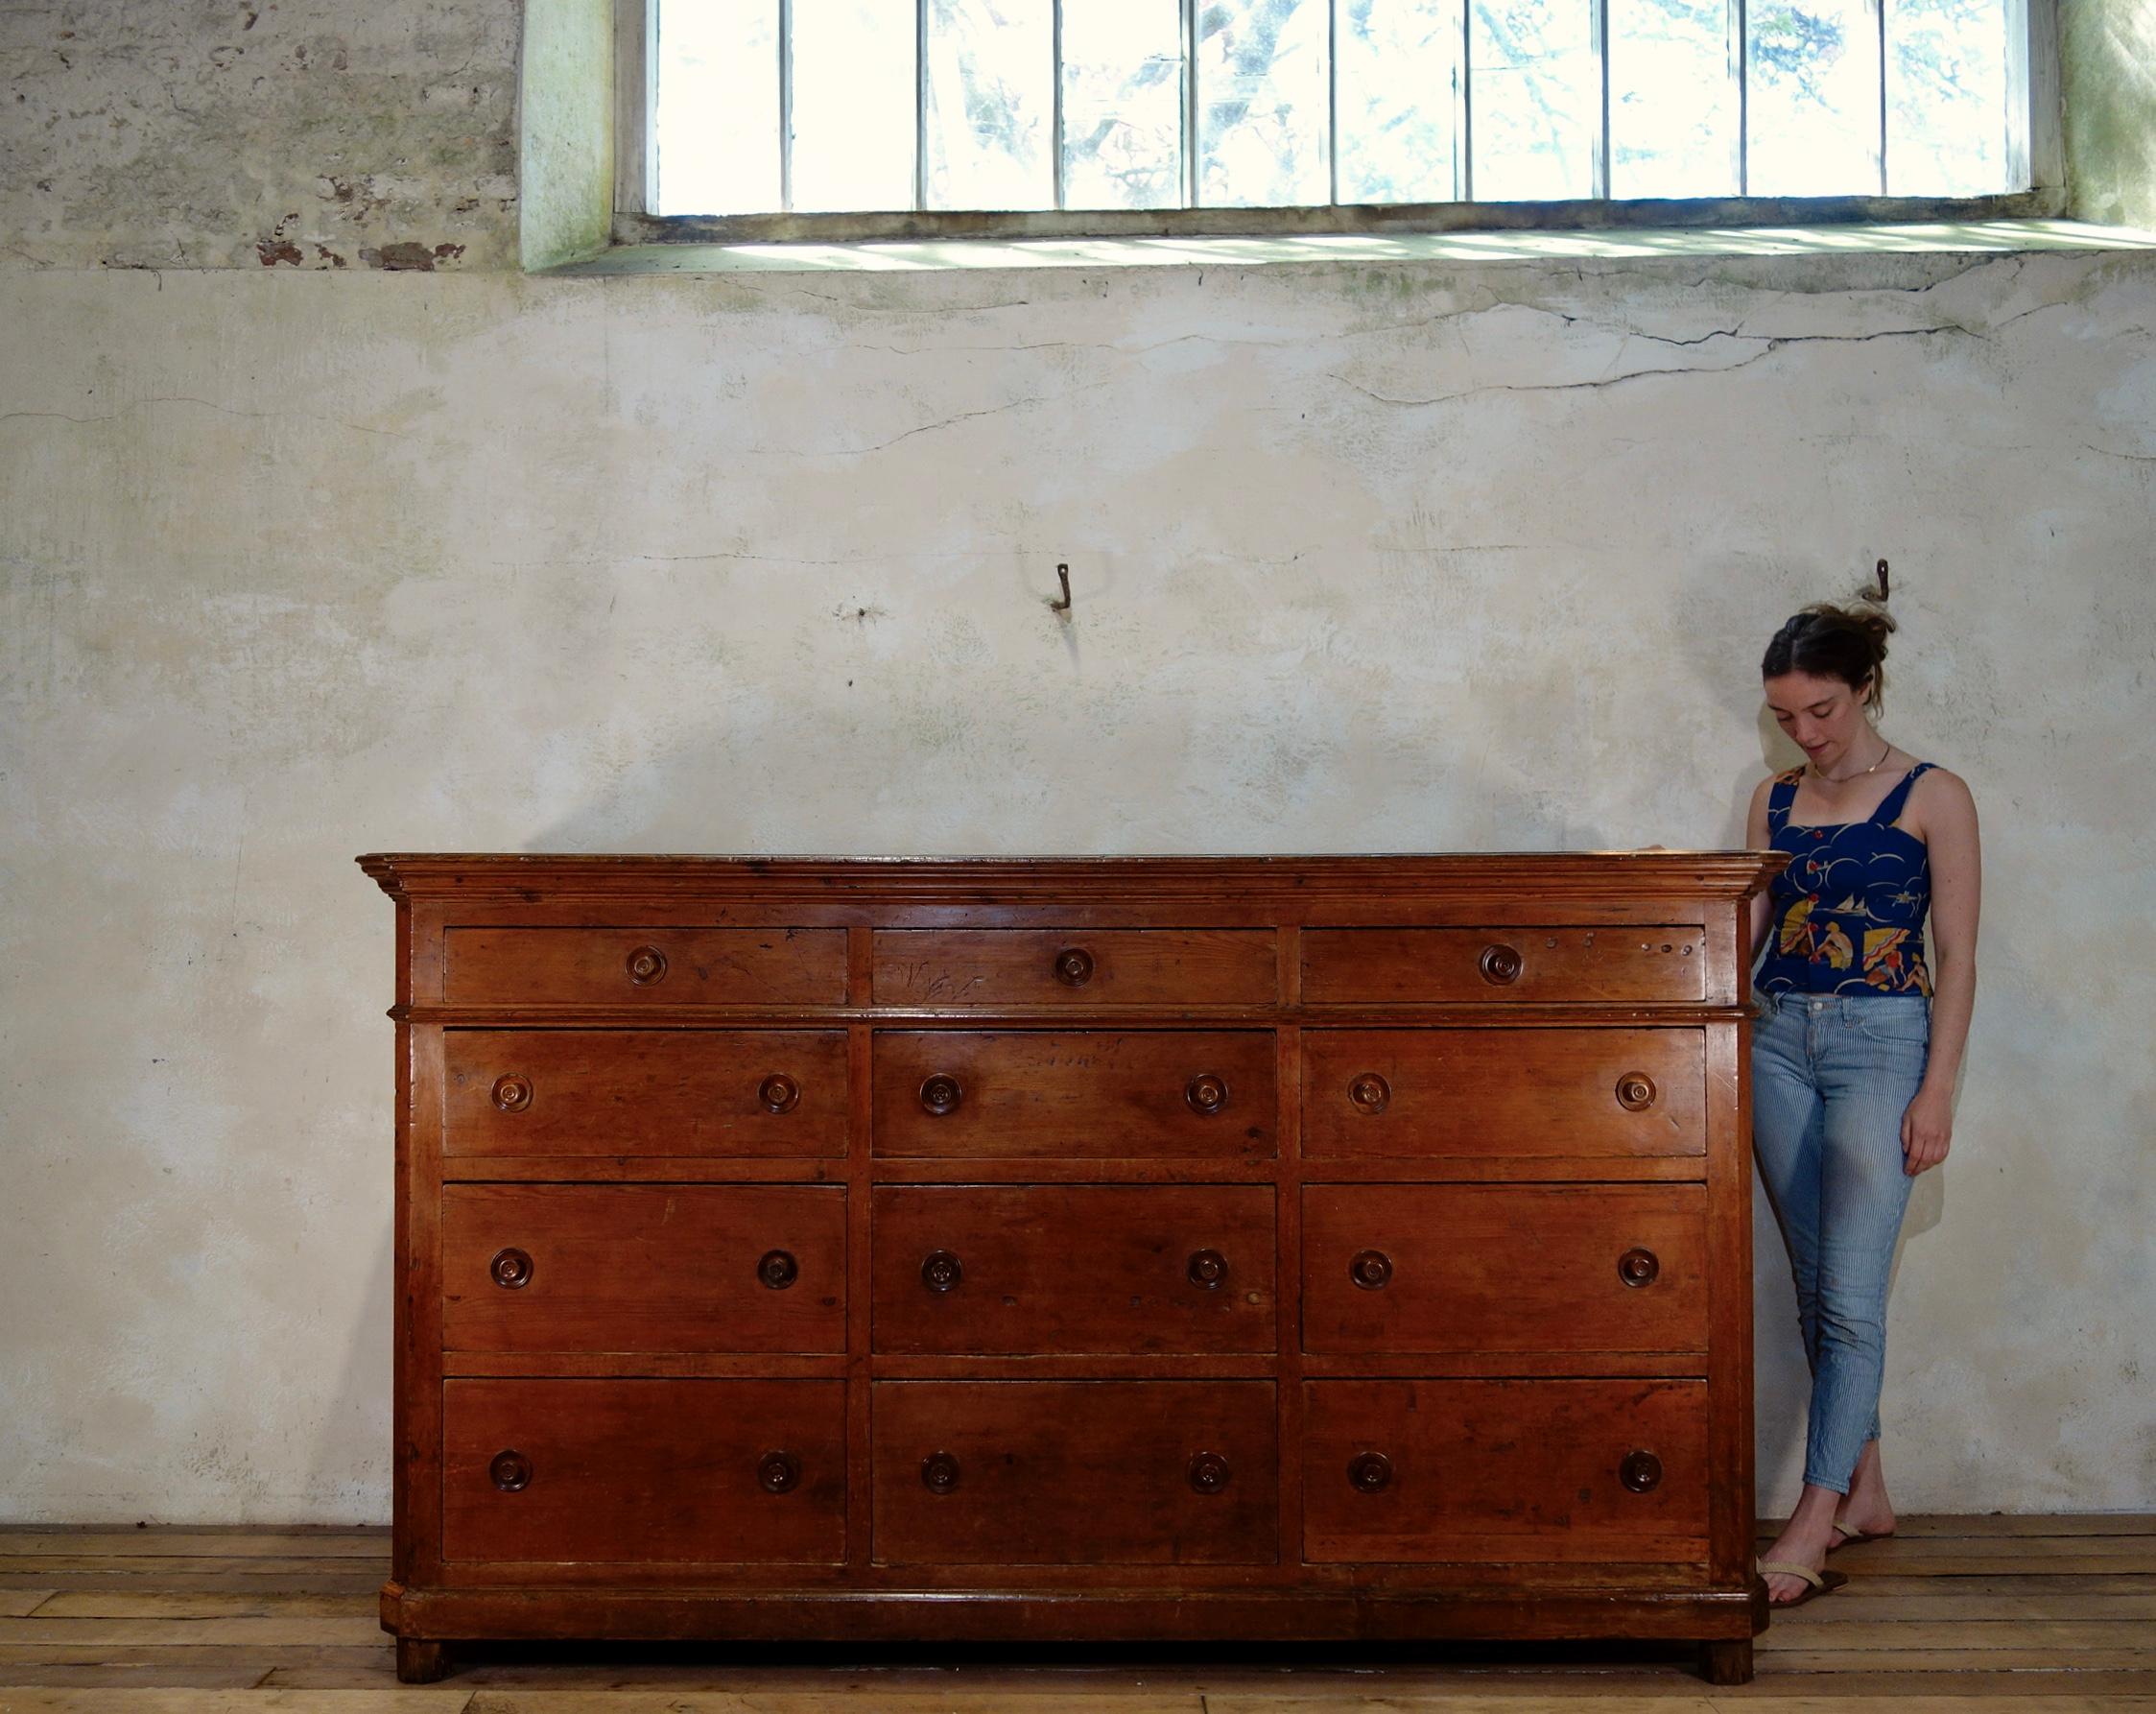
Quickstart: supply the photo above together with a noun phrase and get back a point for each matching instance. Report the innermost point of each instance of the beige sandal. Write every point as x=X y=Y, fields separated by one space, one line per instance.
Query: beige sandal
x=1850 y=1537
x=1823 y=1582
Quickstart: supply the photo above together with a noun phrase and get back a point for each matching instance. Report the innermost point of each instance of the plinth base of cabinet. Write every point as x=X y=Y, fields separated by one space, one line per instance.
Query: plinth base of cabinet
x=1721 y=1623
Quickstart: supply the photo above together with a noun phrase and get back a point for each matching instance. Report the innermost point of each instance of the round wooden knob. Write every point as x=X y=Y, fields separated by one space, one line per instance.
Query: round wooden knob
x=1500 y=964
x=1371 y=1270
x=778 y=1270
x=1635 y=1091
x=646 y=965
x=779 y=1093
x=1208 y=1270
x=1209 y=1472
x=940 y=1270
x=512 y=1269
x=512 y=1094
x=1641 y=1472
x=1206 y=1093
x=1638 y=1267
x=1369 y=1094
x=778 y=1473
x=940 y=1094
x=512 y=1472
x=1074 y=966
x=1369 y=1472
x=939 y=1472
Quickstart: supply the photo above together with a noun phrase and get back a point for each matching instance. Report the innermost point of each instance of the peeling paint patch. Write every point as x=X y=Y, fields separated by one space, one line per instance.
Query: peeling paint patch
x=410 y=258
x=274 y=250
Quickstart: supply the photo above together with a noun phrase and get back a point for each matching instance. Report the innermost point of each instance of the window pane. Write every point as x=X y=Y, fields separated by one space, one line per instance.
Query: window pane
x=853 y=104
x=1533 y=90
x=717 y=119
x=1946 y=98
x=1673 y=99
x=1399 y=84
x=1123 y=104
x=991 y=81
x=1263 y=92
x=1814 y=98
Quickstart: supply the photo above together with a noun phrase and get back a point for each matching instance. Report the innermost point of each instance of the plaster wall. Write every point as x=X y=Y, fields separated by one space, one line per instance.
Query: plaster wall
x=299 y=563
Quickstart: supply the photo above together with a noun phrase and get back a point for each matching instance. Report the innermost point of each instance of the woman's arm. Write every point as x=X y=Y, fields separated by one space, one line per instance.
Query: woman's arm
x=1949 y=832
x=1756 y=838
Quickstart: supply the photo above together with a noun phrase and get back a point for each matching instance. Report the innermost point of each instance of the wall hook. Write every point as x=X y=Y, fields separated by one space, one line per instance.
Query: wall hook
x=1063 y=575
x=1883 y=580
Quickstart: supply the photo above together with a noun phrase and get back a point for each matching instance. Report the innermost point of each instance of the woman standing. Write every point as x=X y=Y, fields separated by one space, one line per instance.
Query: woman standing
x=1860 y=1035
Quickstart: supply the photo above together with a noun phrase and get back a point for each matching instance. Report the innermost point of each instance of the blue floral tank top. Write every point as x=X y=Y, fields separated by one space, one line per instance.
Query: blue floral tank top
x=1849 y=909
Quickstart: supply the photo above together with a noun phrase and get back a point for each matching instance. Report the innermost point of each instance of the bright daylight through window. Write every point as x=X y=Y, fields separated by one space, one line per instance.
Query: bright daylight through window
x=807 y=106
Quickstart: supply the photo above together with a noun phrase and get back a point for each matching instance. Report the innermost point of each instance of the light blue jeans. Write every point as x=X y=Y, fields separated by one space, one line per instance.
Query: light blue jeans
x=1832 y=1076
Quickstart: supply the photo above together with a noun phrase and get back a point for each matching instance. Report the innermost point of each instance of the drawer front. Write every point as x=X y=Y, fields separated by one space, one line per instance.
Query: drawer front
x=1510 y=962
x=1630 y=1093
x=743 y=1268
x=1075 y=1472
x=1075 y=968
x=1429 y=1268
x=644 y=966
x=705 y=1472
x=1108 y=1094
x=1505 y=1471
x=997 y=1269
x=680 y=1092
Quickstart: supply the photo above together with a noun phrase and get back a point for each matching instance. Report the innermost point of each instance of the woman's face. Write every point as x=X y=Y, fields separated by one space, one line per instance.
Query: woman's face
x=1823 y=717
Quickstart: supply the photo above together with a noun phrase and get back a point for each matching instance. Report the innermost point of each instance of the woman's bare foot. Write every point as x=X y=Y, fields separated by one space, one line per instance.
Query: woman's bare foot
x=1804 y=1541
x=1865 y=1507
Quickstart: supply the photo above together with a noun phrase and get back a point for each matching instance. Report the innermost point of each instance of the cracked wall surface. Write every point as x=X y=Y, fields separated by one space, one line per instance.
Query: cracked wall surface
x=1364 y=556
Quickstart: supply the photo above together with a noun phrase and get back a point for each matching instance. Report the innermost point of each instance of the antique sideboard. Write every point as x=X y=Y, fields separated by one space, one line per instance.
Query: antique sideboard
x=1298 y=1247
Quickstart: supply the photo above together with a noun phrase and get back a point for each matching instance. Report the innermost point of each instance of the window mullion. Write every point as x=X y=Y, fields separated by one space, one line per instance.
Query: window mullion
x=786 y=106
x=1739 y=24
x=1190 y=102
x=1332 y=100
x=1055 y=105
x=1597 y=24
x=920 y=103
x=1463 y=166
x=1879 y=11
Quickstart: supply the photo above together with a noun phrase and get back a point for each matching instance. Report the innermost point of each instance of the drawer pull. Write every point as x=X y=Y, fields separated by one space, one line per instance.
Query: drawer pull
x=1369 y=1472
x=512 y=1269
x=941 y=1271
x=512 y=1094
x=1208 y=1270
x=1209 y=1472
x=939 y=1472
x=1369 y=1094
x=646 y=965
x=1641 y=1472
x=1635 y=1091
x=779 y=1093
x=1074 y=966
x=1371 y=1270
x=512 y=1472
x=1206 y=1092
x=940 y=1094
x=1638 y=1267
x=1500 y=964
x=778 y=1270
x=778 y=1473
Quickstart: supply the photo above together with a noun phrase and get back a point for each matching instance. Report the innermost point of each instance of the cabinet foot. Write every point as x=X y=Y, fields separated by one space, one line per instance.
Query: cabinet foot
x=1726 y=1661
x=420 y=1661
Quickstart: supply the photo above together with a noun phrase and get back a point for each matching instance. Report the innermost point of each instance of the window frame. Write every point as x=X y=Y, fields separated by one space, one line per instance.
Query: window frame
x=2038 y=151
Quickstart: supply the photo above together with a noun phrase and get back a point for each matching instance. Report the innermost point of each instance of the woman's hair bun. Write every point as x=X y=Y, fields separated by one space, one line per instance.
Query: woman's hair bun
x=1837 y=640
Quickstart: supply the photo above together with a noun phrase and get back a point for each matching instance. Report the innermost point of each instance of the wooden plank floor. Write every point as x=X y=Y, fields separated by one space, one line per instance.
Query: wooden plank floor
x=2002 y=1615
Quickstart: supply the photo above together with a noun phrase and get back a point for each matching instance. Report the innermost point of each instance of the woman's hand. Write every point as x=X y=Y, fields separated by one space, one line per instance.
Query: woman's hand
x=1926 y=1129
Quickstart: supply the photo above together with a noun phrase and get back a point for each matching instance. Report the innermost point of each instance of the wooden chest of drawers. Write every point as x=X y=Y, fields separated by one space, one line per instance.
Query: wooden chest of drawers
x=1204 y=1247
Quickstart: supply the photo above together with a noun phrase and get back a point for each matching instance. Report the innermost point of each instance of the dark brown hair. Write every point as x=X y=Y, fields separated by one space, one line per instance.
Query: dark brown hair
x=1830 y=641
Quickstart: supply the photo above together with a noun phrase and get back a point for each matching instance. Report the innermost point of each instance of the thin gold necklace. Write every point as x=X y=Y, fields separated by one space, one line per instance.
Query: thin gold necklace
x=1847 y=777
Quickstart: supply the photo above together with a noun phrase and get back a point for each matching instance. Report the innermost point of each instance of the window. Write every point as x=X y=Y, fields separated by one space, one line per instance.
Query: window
x=862 y=118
